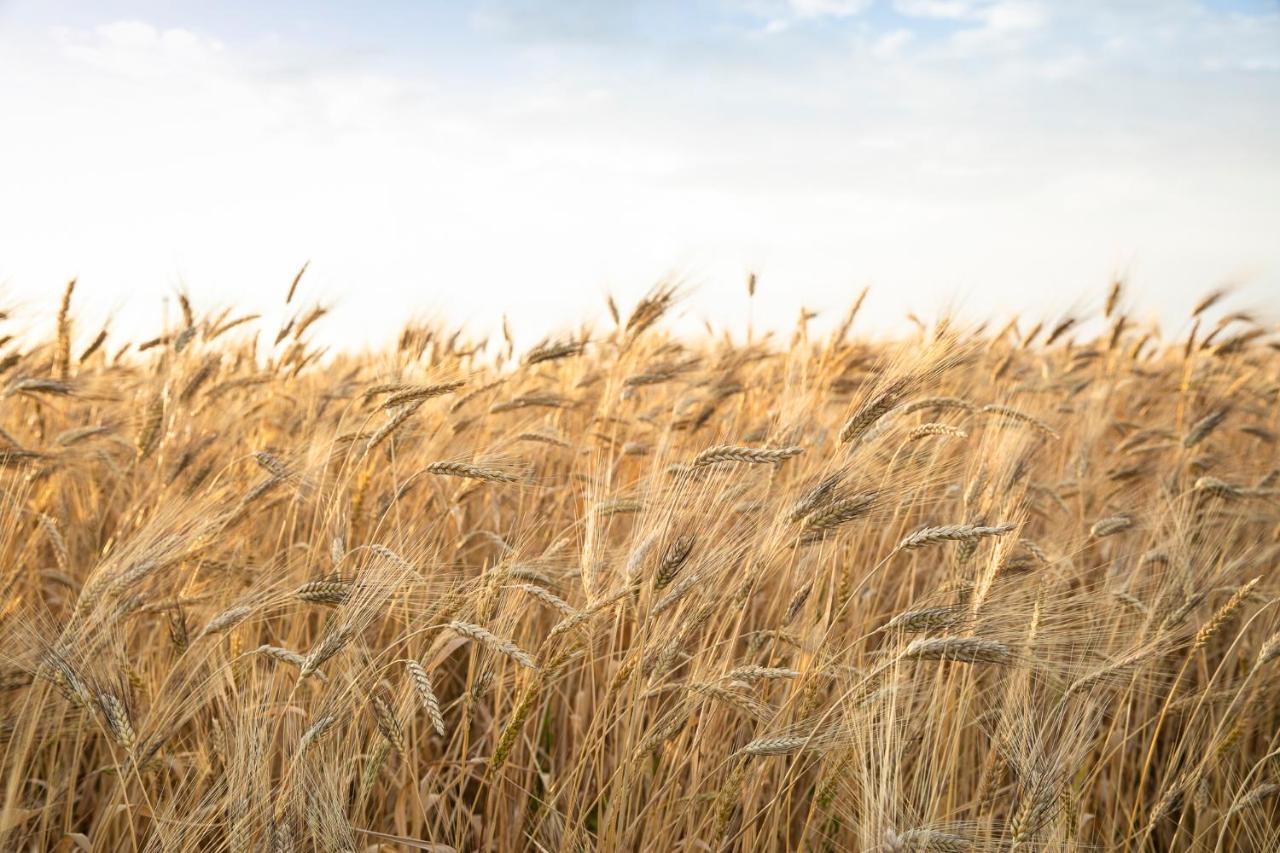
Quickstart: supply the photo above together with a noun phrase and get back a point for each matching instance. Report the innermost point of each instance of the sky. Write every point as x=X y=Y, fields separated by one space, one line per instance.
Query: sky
x=469 y=160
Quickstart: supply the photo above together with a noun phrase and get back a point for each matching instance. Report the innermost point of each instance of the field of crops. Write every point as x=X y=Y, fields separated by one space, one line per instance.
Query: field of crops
x=999 y=588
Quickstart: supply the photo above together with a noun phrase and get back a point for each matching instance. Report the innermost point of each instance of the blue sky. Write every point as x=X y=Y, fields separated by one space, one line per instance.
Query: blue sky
x=466 y=159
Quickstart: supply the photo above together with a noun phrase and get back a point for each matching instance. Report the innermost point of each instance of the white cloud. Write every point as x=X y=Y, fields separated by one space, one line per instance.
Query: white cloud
x=136 y=47
x=891 y=43
x=832 y=8
x=1003 y=26
x=1065 y=67
x=947 y=9
x=1014 y=16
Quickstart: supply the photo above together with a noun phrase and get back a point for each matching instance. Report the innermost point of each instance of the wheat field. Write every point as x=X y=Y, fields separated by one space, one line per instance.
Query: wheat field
x=967 y=589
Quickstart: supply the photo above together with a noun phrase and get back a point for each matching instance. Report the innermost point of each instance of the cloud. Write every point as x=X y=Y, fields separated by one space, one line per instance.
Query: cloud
x=828 y=8
x=1003 y=26
x=946 y=9
x=891 y=43
x=783 y=15
x=564 y=21
x=136 y=47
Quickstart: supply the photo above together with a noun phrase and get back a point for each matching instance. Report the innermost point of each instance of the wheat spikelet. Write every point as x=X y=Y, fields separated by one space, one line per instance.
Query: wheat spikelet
x=505 y=647
x=384 y=715
x=1110 y=526
x=219 y=331
x=943 y=403
x=822 y=523
x=374 y=766
x=552 y=351
x=927 y=536
x=1125 y=662
x=797 y=602
x=1179 y=615
x=316 y=732
x=649 y=309
x=270 y=463
x=473 y=472
x=426 y=695
x=1169 y=800
x=1270 y=651
x=62 y=353
x=333 y=642
x=871 y=411
x=255 y=494
x=397 y=420
x=529 y=574
x=777 y=746
x=751 y=455
x=1223 y=614
x=1113 y=298
x=281 y=654
x=525 y=401
x=1252 y=797
x=548 y=597
x=925 y=430
x=419 y=393
x=385 y=388
x=293 y=285
x=75 y=436
x=618 y=507
x=287 y=656
x=1059 y=330
x=585 y=615
x=734 y=698
x=227 y=619
x=1211 y=299
x=237 y=384
x=1013 y=415
x=1037 y=804
x=94 y=345
x=149 y=433
x=818 y=496
x=197 y=379
x=925 y=619
x=673 y=559
x=756 y=673
x=727 y=797
x=507 y=738
x=1214 y=487
x=282 y=840
x=961 y=649
x=32 y=386
x=1201 y=429
x=542 y=438
x=117 y=719
x=333 y=591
